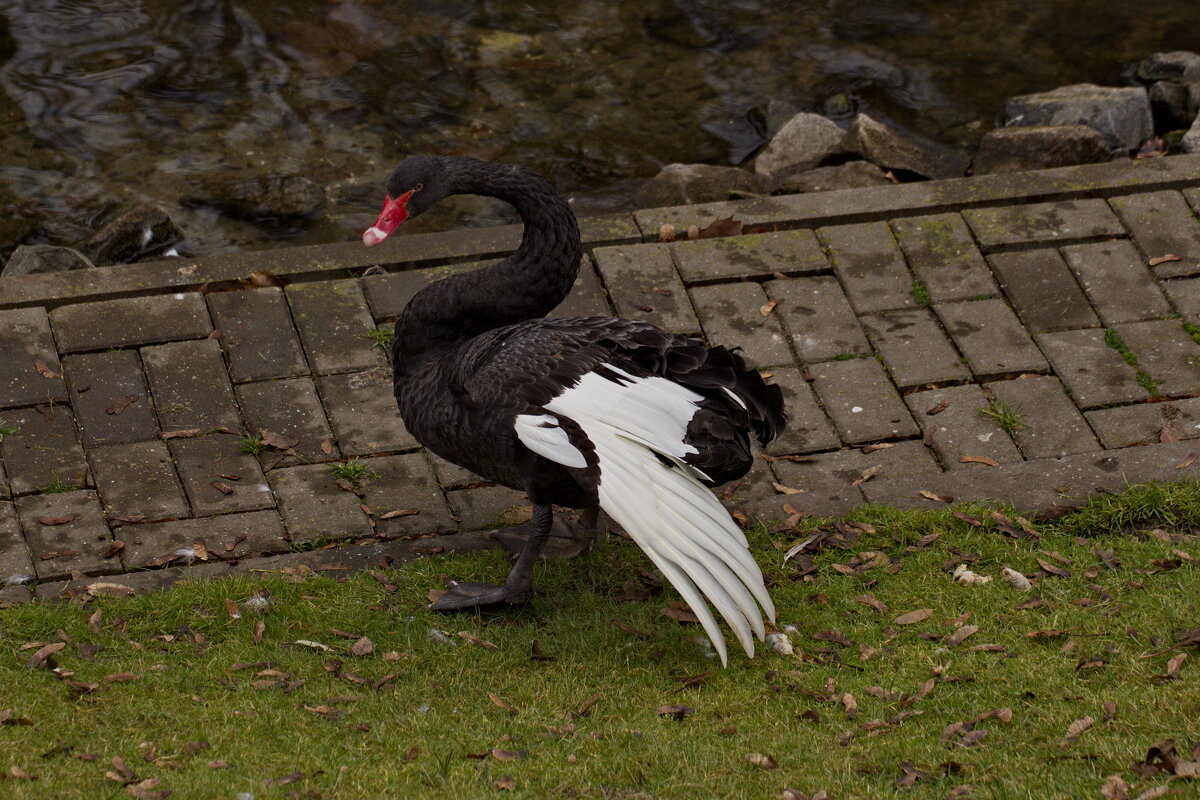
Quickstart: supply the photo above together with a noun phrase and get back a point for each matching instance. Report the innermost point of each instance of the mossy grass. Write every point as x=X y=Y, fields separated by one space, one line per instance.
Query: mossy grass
x=354 y=471
x=1007 y=416
x=1114 y=340
x=382 y=337
x=920 y=293
x=252 y=444
x=6 y=429
x=185 y=694
x=57 y=485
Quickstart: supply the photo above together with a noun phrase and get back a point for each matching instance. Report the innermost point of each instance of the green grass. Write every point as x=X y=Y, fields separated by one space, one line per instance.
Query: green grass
x=57 y=485
x=251 y=444
x=1114 y=340
x=430 y=728
x=1191 y=328
x=1007 y=416
x=6 y=429
x=354 y=471
x=920 y=293
x=845 y=356
x=382 y=337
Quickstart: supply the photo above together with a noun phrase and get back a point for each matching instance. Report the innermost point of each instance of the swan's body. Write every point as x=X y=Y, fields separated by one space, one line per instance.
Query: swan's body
x=580 y=412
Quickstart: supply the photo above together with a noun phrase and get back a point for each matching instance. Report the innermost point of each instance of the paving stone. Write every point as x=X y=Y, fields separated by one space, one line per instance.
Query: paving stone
x=140 y=582
x=190 y=386
x=43 y=449
x=82 y=541
x=16 y=565
x=5 y=492
x=203 y=460
x=587 y=297
x=334 y=321
x=1117 y=281
x=130 y=322
x=633 y=272
x=314 y=507
x=756 y=255
x=942 y=253
x=914 y=347
x=1042 y=290
x=368 y=555
x=292 y=408
x=1053 y=426
x=870 y=266
x=15 y=595
x=406 y=482
x=808 y=429
x=1162 y=224
x=861 y=401
x=1042 y=222
x=991 y=338
x=1094 y=372
x=25 y=339
x=363 y=413
x=827 y=479
x=229 y=536
x=818 y=318
x=1165 y=352
x=960 y=429
x=730 y=314
x=1185 y=296
x=1044 y=485
x=100 y=382
x=450 y=476
x=1144 y=423
x=257 y=334
x=138 y=479
x=488 y=507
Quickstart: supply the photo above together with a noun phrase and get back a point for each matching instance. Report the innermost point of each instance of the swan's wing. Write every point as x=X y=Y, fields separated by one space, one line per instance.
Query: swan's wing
x=637 y=426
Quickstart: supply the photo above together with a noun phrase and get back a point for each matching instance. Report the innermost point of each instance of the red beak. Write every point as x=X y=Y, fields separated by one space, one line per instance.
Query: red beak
x=394 y=212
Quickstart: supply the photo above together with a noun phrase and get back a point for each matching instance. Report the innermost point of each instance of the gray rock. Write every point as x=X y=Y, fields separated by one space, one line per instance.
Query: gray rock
x=851 y=175
x=803 y=143
x=680 y=184
x=894 y=149
x=141 y=231
x=34 y=258
x=1178 y=65
x=1191 y=139
x=1042 y=147
x=262 y=198
x=1169 y=103
x=1121 y=114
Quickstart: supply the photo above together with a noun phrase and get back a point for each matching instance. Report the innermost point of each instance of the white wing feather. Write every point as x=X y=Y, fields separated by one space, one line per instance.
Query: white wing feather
x=666 y=510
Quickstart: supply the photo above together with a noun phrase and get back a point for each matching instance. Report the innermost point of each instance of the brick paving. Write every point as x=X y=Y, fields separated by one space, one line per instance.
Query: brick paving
x=999 y=337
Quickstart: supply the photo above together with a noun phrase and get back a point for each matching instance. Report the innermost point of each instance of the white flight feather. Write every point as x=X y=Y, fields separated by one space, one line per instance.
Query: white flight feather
x=667 y=511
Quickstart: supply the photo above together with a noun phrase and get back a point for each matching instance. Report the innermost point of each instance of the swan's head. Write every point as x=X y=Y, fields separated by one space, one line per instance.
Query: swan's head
x=415 y=186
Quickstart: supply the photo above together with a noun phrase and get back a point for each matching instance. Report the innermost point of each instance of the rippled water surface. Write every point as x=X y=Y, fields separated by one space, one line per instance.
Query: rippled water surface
x=106 y=102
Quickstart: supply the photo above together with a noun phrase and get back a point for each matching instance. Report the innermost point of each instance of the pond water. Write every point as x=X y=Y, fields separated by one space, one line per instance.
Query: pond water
x=107 y=102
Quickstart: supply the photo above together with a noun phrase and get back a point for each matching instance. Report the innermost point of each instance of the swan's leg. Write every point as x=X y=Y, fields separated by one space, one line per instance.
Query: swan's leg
x=518 y=588
x=567 y=539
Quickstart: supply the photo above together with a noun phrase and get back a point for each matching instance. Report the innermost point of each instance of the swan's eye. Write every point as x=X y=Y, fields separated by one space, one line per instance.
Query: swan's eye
x=418 y=187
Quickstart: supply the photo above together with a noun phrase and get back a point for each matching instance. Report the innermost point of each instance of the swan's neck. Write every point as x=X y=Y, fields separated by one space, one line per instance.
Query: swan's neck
x=526 y=285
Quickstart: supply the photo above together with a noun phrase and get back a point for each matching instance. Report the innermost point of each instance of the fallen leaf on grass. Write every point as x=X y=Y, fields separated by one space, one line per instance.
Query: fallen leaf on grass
x=1052 y=569
x=762 y=761
x=1174 y=665
x=586 y=705
x=260 y=628
x=869 y=600
x=473 y=639
x=39 y=658
x=122 y=404
x=678 y=712
x=507 y=755
x=1110 y=710
x=362 y=647
x=1076 y=729
x=120 y=677
x=7 y=718
x=991 y=462
x=850 y=703
x=680 y=614
x=505 y=784
x=1016 y=579
x=284 y=780
x=960 y=635
x=1114 y=788
x=502 y=703
x=913 y=617
x=231 y=608
x=935 y=497
x=1154 y=262
x=145 y=790
x=328 y=712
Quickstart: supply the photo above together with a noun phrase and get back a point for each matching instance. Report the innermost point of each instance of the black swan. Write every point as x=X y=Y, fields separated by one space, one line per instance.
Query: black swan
x=585 y=412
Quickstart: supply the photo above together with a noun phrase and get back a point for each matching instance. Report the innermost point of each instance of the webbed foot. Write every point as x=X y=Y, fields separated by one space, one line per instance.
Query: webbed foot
x=568 y=539
x=458 y=596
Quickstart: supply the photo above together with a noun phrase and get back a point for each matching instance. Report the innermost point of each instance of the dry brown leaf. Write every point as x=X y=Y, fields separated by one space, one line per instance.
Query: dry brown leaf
x=913 y=617
x=726 y=226
x=122 y=404
x=867 y=474
x=869 y=600
x=277 y=441
x=363 y=647
x=222 y=487
x=1174 y=665
x=473 y=639
x=44 y=652
x=507 y=755
x=1187 y=462
x=939 y=408
x=766 y=308
x=762 y=761
x=44 y=369
x=505 y=784
x=502 y=703
x=586 y=705
x=182 y=433
x=934 y=496
x=260 y=279
x=960 y=635
x=1154 y=262
x=991 y=462
x=120 y=677
x=259 y=628
x=1076 y=729
x=63 y=520
x=1114 y=788
x=676 y=711
x=850 y=703
x=781 y=489
x=680 y=614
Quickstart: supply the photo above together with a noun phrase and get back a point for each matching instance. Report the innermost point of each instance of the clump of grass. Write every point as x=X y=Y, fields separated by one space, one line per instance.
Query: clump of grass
x=982 y=297
x=1007 y=416
x=354 y=471
x=251 y=444
x=920 y=293
x=1190 y=328
x=381 y=336
x=56 y=485
x=1114 y=340
x=1151 y=505
x=845 y=357
x=6 y=429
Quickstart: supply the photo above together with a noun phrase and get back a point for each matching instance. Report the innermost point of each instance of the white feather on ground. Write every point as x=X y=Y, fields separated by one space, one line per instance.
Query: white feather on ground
x=666 y=510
